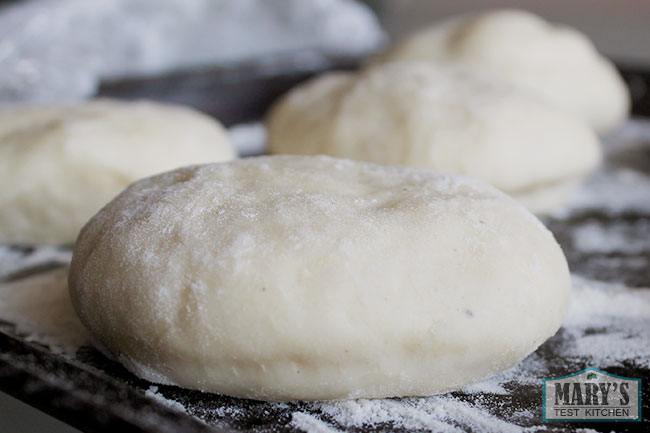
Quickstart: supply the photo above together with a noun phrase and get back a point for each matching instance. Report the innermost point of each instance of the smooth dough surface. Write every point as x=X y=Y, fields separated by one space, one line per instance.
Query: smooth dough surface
x=290 y=277
x=59 y=164
x=441 y=118
x=556 y=63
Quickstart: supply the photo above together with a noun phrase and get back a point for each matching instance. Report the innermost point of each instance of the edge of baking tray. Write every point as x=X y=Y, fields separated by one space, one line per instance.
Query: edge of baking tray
x=83 y=398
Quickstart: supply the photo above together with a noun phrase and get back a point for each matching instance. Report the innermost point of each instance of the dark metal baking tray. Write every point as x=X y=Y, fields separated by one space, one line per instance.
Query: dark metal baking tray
x=95 y=394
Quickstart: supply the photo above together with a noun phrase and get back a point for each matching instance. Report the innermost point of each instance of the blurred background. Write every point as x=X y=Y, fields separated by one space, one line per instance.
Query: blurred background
x=62 y=50
x=620 y=29
x=53 y=50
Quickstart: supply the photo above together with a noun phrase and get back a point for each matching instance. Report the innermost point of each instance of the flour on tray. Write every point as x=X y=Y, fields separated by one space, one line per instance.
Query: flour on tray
x=622 y=184
x=153 y=393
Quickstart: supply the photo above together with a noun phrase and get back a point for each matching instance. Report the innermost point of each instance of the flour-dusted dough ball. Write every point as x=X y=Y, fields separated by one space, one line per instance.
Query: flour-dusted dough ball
x=554 y=62
x=441 y=118
x=59 y=164
x=290 y=277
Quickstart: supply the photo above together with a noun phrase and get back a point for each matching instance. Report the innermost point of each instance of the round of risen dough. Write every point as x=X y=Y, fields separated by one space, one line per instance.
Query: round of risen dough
x=292 y=277
x=59 y=164
x=554 y=62
x=444 y=119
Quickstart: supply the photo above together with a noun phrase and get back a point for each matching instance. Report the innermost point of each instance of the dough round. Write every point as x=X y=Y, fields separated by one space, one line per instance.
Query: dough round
x=441 y=118
x=293 y=277
x=59 y=164
x=554 y=62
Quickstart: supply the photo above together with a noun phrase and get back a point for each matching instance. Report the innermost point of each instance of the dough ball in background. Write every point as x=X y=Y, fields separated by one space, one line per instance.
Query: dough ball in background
x=449 y=119
x=59 y=164
x=557 y=63
x=308 y=277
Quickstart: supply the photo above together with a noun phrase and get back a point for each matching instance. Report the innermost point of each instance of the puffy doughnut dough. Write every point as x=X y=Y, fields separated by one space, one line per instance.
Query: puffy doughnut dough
x=293 y=277
x=59 y=164
x=555 y=62
x=441 y=118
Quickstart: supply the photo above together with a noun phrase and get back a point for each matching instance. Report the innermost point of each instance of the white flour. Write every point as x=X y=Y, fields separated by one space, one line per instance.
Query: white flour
x=617 y=187
x=593 y=237
x=153 y=393
x=309 y=423
x=438 y=413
